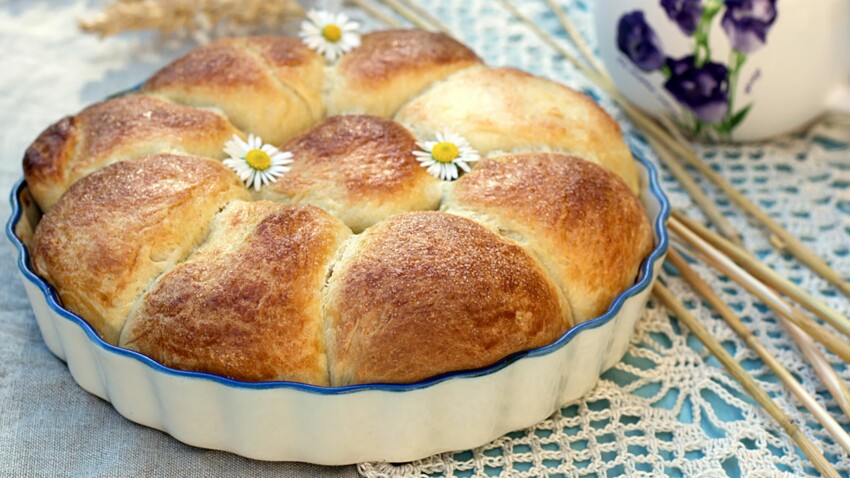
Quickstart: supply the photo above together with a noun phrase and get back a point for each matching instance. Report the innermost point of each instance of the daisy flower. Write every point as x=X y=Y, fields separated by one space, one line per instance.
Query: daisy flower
x=444 y=156
x=256 y=163
x=330 y=35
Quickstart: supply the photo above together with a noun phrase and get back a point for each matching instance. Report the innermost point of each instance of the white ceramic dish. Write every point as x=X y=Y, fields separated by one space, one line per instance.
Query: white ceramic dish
x=344 y=425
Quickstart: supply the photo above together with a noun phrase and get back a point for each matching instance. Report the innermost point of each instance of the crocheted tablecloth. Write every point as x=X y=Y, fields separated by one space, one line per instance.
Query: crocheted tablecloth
x=669 y=408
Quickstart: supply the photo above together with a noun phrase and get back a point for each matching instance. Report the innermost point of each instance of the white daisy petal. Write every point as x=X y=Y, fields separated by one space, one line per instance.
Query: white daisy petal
x=445 y=173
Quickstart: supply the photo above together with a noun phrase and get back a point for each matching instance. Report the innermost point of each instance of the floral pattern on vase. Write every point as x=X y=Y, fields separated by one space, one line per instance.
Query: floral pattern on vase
x=703 y=86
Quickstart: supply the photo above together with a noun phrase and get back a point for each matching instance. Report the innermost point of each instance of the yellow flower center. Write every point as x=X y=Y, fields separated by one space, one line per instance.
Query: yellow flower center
x=445 y=152
x=332 y=32
x=258 y=159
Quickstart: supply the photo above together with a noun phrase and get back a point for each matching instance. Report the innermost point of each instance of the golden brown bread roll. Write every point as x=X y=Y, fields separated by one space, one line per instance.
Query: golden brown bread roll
x=162 y=253
x=391 y=66
x=359 y=168
x=114 y=130
x=426 y=293
x=115 y=230
x=578 y=218
x=247 y=303
x=267 y=86
x=503 y=109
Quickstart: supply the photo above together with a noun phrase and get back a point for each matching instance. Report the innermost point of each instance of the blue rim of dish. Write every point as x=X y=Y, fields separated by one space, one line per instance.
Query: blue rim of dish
x=643 y=283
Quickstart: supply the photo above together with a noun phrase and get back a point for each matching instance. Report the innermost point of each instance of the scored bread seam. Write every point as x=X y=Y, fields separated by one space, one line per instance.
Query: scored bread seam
x=327 y=332
x=522 y=240
x=251 y=50
x=138 y=302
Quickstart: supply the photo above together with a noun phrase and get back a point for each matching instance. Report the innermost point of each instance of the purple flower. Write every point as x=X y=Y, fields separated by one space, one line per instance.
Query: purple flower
x=686 y=13
x=746 y=22
x=704 y=90
x=638 y=41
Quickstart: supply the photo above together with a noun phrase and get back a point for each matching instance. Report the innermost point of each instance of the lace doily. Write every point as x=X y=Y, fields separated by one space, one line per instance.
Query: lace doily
x=669 y=408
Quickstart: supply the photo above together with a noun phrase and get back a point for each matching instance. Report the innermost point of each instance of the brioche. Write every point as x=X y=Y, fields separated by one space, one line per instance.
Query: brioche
x=269 y=86
x=503 y=109
x=355 y=265
x=359 y=168
x=247 y=303
x=122 y=128
x=425 y=293
x=579 y=218
x=115 y=230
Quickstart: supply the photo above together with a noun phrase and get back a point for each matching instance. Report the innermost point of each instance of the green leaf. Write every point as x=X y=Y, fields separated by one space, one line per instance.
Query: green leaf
x=698 y=128
x=736 y=119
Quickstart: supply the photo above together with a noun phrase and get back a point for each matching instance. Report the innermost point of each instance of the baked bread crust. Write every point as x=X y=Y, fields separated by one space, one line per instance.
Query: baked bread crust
x=391 y=66
x=426 y=293
x=117 y=229
x=247 y=303
x=161 y=253
x=359 y=168
x=121 y=128
x=504 y=109
x=580 y=219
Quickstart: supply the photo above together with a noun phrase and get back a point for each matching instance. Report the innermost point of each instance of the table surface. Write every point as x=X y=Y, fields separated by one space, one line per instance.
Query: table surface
x=666 y=409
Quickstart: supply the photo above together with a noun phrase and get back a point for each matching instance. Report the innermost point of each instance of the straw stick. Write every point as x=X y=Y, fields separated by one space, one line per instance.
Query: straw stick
x=407 y=14
x=791 y=243
x=550 y=40
x=376 y=13
x=768 y=275
x=770 y=298
x=703 y=289
x=828 y=376
x=682 y=148
x=697 y=195
x=576 y=37
x=425 y=14
x=750 y=385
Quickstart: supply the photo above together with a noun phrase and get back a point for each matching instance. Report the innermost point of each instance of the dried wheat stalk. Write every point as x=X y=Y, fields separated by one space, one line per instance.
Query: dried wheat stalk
x=198 y=18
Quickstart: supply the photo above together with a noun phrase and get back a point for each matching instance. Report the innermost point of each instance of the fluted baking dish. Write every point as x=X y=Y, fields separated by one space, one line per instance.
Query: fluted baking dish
x=342 y=425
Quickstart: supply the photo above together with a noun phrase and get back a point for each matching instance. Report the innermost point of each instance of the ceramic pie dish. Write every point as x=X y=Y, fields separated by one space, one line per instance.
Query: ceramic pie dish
x=342 y=425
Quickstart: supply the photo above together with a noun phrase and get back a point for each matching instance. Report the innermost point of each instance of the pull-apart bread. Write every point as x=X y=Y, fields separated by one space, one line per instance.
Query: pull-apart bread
x=354 y=265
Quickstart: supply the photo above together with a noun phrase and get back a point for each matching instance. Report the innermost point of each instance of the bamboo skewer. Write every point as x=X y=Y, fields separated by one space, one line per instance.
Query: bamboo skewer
x=764 y=293
x=376 y=13
x=768 y=275
x=703 y=289
x=750 y=385
x=683 y=149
